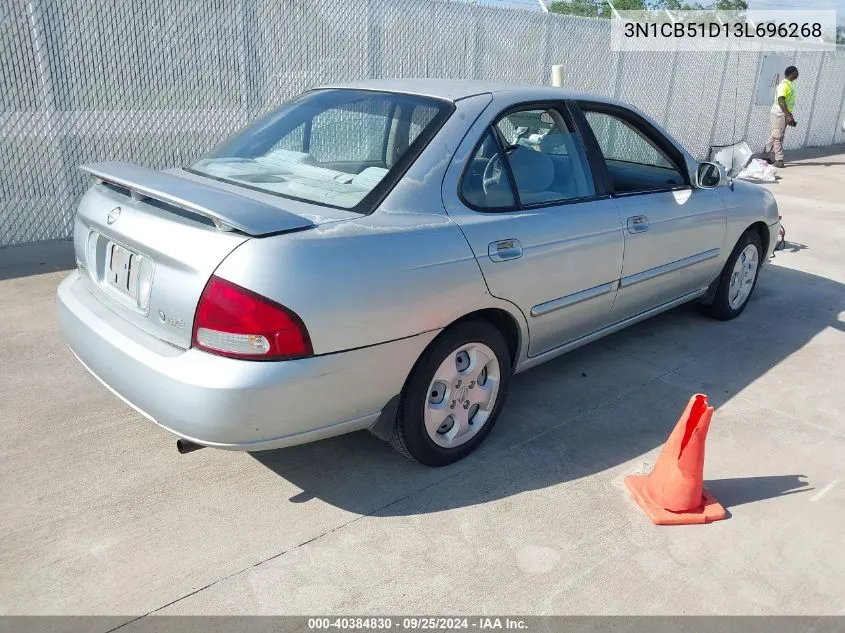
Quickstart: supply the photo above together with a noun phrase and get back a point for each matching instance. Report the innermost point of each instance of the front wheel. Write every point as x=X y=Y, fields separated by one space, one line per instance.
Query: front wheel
x=738 y=278
x=454 y=395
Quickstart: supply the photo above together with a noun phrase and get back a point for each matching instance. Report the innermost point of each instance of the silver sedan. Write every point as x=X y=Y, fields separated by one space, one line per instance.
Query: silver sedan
x=386 y=255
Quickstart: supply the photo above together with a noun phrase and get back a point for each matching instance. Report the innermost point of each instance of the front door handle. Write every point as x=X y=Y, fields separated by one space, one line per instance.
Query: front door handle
x=504 y=250
x=637 y=224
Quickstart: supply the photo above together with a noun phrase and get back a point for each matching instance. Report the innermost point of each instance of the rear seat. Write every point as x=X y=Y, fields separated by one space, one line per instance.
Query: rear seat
x=310 y=181
x=370 y=177
x=283 y=158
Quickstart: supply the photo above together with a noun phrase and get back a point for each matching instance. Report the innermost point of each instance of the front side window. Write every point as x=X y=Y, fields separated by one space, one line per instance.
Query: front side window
x=634 y=161
x=333 y=147
x=542 y=154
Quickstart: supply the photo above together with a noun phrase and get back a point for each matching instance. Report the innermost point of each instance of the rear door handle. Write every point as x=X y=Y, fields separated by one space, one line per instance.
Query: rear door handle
x=504 y=250
x=637 y=224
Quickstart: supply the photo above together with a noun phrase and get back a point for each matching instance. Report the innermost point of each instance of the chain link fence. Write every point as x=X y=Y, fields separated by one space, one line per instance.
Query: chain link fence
x=159 y=82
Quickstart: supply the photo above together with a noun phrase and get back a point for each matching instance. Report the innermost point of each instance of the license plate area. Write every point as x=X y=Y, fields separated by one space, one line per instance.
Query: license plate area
x=122 y=273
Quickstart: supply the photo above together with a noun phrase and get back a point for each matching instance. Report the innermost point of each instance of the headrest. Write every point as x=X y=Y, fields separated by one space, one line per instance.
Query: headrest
x=533 y=171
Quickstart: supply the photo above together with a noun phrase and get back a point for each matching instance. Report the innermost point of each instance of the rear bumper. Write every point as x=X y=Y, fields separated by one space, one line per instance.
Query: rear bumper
x=228 y=403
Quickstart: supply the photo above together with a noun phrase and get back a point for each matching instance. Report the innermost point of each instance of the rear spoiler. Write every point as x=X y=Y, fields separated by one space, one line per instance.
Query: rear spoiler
x=229 y=211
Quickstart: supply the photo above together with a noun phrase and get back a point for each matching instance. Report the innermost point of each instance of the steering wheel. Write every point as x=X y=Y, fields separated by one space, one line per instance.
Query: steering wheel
x=494 y=170
x=492 y=173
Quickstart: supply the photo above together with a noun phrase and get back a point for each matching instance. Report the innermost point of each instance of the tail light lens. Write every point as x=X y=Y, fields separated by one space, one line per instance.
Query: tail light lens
x=236 y=322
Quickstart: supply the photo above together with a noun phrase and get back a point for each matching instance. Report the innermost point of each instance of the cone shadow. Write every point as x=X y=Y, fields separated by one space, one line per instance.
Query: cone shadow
x=741 y=490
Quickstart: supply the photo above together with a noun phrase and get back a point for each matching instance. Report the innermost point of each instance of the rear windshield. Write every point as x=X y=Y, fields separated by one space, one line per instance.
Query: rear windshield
x=339 y=148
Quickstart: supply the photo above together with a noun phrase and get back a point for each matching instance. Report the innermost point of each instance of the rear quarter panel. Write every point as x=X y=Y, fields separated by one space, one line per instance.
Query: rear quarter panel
x=358 y=283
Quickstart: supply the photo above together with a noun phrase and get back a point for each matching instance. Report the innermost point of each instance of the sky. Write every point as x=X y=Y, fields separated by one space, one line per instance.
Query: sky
x=773 y=5
x=766 y=5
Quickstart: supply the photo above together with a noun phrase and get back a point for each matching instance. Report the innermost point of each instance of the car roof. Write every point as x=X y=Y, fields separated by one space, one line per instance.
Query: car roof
x=456 y=89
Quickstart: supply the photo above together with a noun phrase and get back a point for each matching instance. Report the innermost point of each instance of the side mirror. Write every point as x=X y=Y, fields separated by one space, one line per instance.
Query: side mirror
x=708 y=176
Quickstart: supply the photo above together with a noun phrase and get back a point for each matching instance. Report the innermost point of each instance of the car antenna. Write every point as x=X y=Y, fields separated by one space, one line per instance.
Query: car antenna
x=731 y=174
x=733 y=149
x=733 y=135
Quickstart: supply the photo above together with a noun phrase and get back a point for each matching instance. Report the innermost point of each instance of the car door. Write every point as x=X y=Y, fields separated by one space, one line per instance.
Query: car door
x=673 y=232
x=545 y=236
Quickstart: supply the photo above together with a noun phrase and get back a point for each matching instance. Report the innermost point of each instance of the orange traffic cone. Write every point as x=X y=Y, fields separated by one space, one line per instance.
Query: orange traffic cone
x=673 y=494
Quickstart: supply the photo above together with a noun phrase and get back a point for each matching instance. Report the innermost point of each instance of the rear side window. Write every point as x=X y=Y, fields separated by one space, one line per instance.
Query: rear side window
x=529 y=157
x=635 y=162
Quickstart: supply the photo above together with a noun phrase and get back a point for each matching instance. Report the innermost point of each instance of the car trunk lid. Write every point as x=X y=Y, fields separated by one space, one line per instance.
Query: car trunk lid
x=147 y=242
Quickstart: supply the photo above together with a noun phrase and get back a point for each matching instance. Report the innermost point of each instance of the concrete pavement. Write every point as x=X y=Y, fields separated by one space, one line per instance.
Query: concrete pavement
x=100 y=515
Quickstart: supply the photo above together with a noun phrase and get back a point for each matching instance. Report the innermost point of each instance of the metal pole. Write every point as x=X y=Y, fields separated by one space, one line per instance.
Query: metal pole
x=246 y=57
x=751 y=97
x=547 y=48
x=372 y=35
x=477 y=44
x=620 y=62
x=719 y=99
x=671 y=87
x=840 y=114
x=61 y=197
x=813 y=102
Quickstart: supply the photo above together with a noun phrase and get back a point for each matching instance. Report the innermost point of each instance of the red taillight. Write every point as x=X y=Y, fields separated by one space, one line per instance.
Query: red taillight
x=236 y=322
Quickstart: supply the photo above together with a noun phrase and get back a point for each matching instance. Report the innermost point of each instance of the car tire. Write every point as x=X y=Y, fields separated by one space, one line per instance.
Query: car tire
x=453 y=395
x=738 y=279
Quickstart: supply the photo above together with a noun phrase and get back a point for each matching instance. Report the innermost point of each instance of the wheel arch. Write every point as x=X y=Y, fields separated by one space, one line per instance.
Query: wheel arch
x=762 y=230
x=503 y=321
x=514 y=332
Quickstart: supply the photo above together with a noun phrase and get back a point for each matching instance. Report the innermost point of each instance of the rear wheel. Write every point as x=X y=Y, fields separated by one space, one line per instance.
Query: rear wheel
x=738 y=278
x=454 y=395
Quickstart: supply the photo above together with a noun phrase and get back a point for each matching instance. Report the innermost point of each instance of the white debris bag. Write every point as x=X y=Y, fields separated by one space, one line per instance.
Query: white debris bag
x=734 y=158
x=759 y=171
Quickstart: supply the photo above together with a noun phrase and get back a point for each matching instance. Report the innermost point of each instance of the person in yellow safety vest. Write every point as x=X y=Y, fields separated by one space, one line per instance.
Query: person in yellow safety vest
x=781 y=114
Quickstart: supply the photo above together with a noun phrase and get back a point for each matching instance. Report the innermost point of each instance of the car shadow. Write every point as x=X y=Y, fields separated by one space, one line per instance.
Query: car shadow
x=791 y=247
x=600 y=406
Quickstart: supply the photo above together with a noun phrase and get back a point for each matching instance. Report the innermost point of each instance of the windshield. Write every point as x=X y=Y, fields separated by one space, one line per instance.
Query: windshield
x=340 y=148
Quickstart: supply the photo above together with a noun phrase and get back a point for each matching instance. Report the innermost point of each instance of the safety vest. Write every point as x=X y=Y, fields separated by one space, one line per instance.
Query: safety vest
x=786 y=90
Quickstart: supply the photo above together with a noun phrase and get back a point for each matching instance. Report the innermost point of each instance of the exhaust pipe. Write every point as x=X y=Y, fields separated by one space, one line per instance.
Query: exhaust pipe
x=186 y=446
